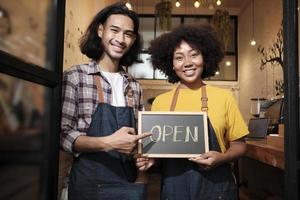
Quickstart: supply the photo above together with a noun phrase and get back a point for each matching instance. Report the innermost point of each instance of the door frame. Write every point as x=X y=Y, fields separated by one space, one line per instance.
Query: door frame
x=291 y=99
x=49 y=76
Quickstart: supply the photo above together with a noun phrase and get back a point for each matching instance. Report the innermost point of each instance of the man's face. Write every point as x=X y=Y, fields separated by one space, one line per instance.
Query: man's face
x=117 y=36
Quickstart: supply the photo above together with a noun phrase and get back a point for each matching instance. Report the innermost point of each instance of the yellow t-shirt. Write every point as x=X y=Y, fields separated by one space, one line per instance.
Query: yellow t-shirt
x=223 y=111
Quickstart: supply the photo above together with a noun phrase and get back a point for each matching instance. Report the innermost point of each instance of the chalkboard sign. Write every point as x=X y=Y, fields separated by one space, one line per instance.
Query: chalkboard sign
x=174 y=134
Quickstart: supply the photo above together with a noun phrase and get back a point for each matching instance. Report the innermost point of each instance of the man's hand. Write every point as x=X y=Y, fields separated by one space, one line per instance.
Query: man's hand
x=144 y=163
x=124 y=140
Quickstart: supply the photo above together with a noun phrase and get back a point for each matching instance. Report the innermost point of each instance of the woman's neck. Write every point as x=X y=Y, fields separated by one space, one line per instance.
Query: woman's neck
x=193 y=86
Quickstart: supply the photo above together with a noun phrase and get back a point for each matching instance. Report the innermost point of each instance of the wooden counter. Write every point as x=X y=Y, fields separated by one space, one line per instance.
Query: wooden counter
x=261 y=151
x=261 y=171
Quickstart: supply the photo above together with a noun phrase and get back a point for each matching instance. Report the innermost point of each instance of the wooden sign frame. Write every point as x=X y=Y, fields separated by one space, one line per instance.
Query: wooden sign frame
x=179 y=126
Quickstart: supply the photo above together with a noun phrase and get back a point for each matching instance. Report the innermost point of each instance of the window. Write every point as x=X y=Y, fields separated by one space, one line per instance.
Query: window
x=149 y=30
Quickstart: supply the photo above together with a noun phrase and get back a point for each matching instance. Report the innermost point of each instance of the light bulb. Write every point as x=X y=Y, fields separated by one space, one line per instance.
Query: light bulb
x=177 y=4
x=219 y=2
x=228 y=63
x=253 y=42
x=196 y=4
x=217 y=73
x=128 y=5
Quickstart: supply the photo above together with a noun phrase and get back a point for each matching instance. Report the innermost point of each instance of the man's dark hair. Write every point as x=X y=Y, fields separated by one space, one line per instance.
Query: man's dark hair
x=91 y=44
x=201 y=37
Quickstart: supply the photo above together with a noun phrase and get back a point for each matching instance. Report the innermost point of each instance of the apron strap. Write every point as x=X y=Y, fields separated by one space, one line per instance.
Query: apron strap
x=130 y=96
x=204 y=98
x=129 y=93
x=175 y=97
x=99 y=89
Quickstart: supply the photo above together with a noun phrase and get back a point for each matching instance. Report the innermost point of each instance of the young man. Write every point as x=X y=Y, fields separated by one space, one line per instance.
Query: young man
x=100 y=105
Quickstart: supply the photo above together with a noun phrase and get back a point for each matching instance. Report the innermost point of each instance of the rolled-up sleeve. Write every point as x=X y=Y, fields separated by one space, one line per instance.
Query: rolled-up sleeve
x=69 y=120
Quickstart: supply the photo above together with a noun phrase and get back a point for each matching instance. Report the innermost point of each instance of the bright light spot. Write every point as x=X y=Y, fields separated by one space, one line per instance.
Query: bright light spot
x=219 y=2
x=177 y=4
x=253 y=42
x=196 y=4
x=228 y=63
x=128 y=5
x=217 y=73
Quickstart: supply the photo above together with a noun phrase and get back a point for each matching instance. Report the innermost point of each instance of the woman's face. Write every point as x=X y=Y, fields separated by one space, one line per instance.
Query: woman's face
x=188 y=65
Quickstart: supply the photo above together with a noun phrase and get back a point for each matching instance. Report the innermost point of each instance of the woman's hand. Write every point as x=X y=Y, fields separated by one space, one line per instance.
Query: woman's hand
x=144 y=163
x=209 y=160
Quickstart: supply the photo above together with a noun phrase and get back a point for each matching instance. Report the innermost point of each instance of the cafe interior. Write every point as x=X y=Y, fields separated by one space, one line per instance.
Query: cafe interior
x=39 y=40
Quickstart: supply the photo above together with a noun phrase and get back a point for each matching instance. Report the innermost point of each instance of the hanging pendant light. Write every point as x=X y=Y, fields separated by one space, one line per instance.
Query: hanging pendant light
x=196 y=4
x=228 y=63
x=177 y=4
x=128 y=5
x=253 y=42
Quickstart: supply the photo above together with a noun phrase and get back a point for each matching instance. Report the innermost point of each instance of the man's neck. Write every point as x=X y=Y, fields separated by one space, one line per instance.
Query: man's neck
x=109 y=65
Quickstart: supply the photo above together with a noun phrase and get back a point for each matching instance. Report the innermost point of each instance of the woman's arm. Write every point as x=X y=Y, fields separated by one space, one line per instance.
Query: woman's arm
x=212 y=159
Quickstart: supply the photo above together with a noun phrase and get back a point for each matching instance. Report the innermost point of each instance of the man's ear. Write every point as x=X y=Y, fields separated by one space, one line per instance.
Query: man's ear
x=100 y=30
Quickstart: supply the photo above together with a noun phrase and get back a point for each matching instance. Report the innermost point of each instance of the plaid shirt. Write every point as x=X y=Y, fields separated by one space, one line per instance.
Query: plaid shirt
x=80 y=99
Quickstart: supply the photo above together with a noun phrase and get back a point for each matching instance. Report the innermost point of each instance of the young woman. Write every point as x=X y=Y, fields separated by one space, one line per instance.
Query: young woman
x=187 y=55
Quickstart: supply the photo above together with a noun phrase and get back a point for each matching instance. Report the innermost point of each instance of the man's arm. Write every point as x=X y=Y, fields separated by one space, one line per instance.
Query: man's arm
x=69 y=117
x=123 y=140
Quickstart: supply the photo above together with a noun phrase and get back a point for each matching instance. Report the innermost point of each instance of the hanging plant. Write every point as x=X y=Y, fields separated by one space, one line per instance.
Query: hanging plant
x=163 y=11
x=221 y=22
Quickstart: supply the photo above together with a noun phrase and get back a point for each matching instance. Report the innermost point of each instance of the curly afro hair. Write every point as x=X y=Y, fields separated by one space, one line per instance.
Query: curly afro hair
x=201 y=37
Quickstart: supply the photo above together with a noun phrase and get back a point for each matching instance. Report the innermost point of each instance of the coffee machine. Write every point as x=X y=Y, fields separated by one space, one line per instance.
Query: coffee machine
x=271 y=109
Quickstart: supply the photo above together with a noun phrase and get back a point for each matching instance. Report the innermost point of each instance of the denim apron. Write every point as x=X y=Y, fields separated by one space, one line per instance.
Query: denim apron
x=106 y=175
x=185 y=180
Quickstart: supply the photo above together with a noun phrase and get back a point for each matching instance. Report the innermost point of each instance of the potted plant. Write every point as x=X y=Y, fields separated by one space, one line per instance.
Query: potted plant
x=221 y=22
x=163 y=10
